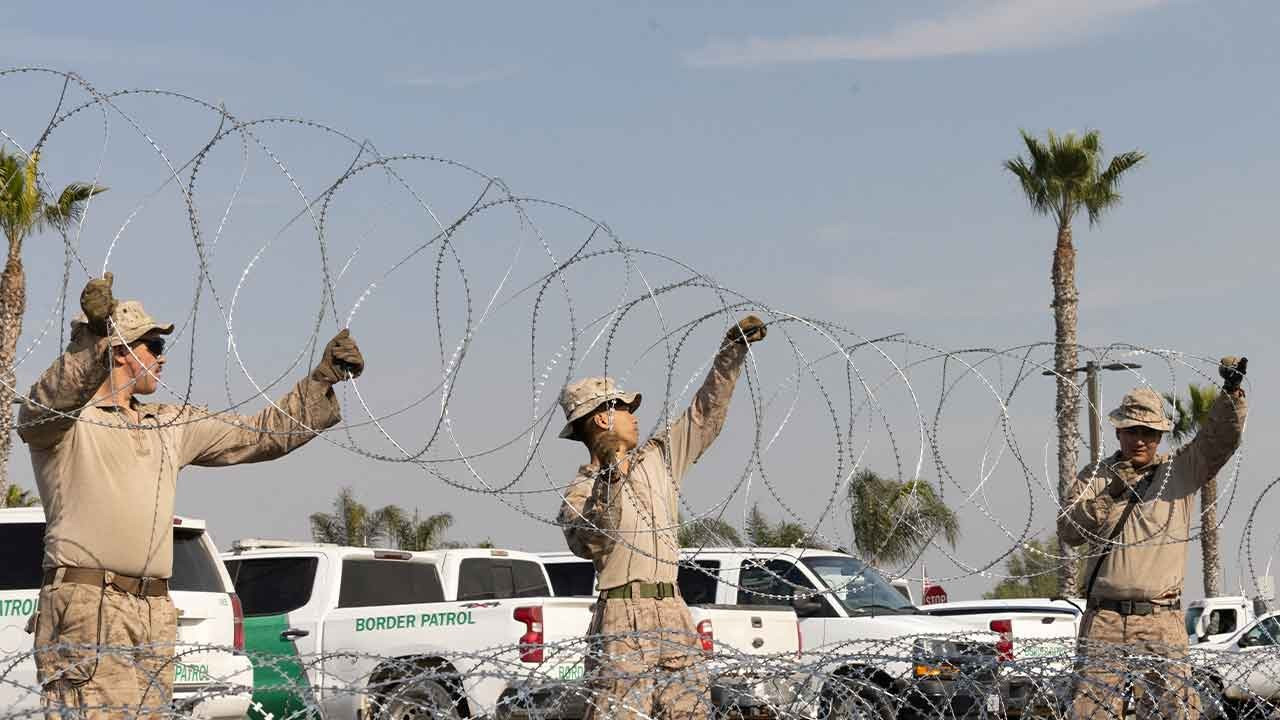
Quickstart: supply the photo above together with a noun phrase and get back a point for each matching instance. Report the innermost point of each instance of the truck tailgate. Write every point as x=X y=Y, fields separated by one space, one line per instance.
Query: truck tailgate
x=750 y=629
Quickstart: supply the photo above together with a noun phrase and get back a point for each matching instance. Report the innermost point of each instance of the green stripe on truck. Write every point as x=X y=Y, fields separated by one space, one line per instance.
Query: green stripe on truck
x=280 y=686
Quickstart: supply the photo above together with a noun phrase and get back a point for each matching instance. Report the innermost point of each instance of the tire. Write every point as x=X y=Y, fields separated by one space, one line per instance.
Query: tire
x=418 y=700
x=856 y=700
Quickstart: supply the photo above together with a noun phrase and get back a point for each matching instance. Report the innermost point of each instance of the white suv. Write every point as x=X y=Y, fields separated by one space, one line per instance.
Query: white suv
x=212 y=678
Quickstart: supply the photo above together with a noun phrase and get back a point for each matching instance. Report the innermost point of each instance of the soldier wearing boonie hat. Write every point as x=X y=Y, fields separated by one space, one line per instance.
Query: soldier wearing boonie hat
x=106 y=466
x=1134 y=509
x=621 y=513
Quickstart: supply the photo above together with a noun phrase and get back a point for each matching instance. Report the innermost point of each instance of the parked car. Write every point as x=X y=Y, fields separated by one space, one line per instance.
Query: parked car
x=1242 y=671
x=212 y=679
x=370 y=633
x=879 y=655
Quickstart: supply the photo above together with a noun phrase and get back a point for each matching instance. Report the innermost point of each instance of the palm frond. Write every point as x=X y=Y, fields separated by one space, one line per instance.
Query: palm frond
x=70 y=205
x=327 y=529
x=894 y=521
x=1064 y=174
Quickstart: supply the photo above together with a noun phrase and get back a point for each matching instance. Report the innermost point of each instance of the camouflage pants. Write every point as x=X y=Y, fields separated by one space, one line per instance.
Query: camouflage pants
x=1146 y=652
x=646 y=662
x=104 y=653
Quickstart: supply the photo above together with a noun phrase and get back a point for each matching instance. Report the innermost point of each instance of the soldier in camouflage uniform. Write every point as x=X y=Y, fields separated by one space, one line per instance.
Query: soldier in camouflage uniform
x=1132 y=630
x=107 y=468
x=621 y=513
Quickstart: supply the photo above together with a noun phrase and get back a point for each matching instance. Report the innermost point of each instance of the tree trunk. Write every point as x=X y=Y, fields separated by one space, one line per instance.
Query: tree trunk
x=1067 y=407
x=1209 y=538
x=13 y=302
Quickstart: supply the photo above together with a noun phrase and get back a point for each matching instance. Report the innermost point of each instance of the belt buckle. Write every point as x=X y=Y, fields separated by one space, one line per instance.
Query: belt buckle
x=143 y=582
x=1126 y=607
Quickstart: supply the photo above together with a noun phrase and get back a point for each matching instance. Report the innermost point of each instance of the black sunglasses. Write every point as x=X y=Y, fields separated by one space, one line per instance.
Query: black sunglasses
x=155 y=346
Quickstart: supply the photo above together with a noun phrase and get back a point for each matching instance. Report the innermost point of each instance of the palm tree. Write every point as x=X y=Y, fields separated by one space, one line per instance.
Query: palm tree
x=422 y=534
x=893 y=521
x=15 y=496
x=1189 y=416
x=762 y=533
x=706 y=532
x=24 y=209
x=353 y=524
x=1059 y=178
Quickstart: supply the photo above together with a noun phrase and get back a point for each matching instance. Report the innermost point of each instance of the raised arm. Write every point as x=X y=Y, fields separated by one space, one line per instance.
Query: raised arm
x=298 y=417
x=54 y=403
x=698 y=426
x=1219 y=435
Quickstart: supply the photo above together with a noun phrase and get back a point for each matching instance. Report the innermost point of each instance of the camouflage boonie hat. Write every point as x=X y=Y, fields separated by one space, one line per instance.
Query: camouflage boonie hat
x=1141 y=407
x=129 y=323
x=579 y=399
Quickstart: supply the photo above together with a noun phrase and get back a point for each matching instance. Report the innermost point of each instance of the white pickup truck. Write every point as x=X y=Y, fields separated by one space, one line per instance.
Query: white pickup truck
x=211 y=680
x=369 y=633
x=740 y=641
x=1239 y=674
x=1037 y=640
x=1216 y=619
x=876 y=654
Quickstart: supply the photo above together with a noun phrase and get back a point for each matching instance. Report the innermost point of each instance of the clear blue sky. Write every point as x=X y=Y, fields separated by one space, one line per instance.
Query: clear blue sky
x=841 y=161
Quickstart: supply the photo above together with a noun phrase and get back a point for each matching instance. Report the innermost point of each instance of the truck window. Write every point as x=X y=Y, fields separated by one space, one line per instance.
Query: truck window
x=272 y=586
x=21 y=552
x=1264 y=633
x=194 y=567
x=697 y=581
x=572 y=579
x=776 y=578
x=373 y=583
x=1222 y=621
x=500 y=578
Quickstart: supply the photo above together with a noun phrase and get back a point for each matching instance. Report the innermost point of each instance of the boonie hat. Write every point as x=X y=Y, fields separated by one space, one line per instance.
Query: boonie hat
x=130 y=322
x=1141 y=407
x=579 y=399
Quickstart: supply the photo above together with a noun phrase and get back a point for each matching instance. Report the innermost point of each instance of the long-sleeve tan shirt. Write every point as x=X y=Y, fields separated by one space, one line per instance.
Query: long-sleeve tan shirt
x=108 y=488
x=1149 y=557
x=627 y=527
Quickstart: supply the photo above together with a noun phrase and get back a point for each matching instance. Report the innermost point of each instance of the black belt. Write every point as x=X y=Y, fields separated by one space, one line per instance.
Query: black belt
x=1135 y=607
x=636 y=590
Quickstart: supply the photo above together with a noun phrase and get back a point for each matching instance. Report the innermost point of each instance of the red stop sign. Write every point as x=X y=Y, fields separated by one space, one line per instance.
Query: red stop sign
x=934 y=594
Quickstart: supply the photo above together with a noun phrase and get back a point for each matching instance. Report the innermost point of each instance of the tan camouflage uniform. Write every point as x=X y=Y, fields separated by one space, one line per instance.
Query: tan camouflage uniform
x=108 y=495
x=1147 y=562
x=649 y=657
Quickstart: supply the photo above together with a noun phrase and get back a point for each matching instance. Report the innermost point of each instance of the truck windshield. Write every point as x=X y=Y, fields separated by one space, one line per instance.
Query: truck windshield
x=855 y=585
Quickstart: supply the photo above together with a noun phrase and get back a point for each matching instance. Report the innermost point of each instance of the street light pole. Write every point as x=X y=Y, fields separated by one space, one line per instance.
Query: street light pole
x=1090 y=371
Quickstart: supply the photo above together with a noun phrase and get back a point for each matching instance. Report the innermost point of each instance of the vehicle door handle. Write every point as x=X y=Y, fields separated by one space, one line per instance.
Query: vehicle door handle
x=757 y=643
x=294 y=633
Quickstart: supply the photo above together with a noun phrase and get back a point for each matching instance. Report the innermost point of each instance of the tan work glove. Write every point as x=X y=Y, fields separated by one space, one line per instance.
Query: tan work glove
x=341 y=357
x=97 y=302
x=748 y=330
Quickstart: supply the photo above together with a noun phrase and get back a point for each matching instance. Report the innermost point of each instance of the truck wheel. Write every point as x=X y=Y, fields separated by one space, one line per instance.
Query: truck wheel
x=418 y=700
x=849 y=702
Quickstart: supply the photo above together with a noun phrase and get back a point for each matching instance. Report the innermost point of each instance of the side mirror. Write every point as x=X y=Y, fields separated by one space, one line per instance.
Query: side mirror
x=807 y=606
x=1202 y=625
